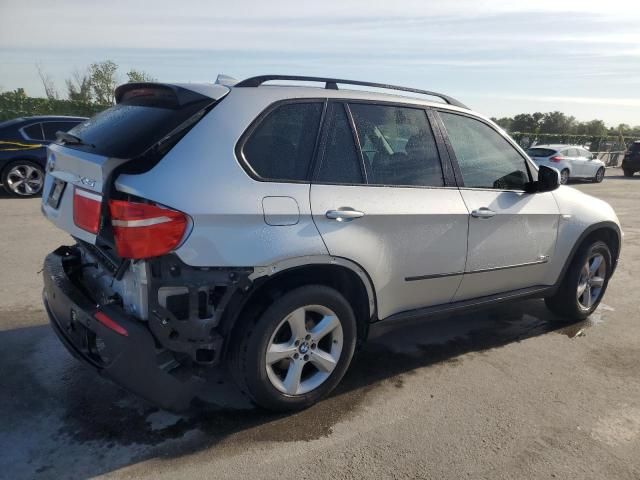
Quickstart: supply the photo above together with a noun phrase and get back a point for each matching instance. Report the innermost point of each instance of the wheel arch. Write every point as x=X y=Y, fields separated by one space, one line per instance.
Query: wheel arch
x=607 y=231
x=269 y=283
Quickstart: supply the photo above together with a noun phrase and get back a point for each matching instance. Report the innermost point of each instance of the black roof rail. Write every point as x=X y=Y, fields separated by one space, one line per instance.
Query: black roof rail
x=332 y=84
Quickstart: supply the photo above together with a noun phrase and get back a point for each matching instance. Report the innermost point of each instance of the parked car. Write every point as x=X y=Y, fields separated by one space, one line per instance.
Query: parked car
x=309 y=218
x=631 y=160
x=571 y=161
x=23 y=151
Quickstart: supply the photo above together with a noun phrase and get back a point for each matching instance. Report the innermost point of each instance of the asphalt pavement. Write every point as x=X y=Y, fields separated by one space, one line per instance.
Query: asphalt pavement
x=509 y=392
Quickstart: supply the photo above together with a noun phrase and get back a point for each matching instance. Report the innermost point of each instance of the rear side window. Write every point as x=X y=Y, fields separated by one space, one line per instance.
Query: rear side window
x=398 y=146
x=281 y=146
x=143 y=117
x=485 y=158
x=33 y=132
x=50 y=128
x=540 y=152
x=340 y=163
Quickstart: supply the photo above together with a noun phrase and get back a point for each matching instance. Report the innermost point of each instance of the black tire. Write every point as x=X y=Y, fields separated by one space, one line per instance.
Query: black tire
x=599 y=177
x=562 y=175
x=565 y=302
x=628 y=173
x=27 y=164
x=248 y=355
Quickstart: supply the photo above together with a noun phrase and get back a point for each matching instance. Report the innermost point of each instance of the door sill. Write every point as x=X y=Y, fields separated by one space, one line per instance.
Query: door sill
x=426 y=313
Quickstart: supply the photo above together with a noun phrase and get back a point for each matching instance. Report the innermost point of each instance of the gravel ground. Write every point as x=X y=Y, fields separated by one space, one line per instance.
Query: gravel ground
x=503 y=393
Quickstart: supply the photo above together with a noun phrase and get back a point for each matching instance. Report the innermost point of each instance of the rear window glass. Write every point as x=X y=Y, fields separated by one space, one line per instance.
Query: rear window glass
x=34 y=132
x=281 y=146
x=540 y=152
x=128 y=129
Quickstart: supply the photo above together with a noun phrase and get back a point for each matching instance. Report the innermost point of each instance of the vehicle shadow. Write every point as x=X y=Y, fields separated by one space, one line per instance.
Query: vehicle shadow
x=62 y=420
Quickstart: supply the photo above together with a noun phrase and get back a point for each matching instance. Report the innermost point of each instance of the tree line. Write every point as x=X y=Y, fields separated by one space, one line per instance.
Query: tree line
x=557 y=122
x=86 y=92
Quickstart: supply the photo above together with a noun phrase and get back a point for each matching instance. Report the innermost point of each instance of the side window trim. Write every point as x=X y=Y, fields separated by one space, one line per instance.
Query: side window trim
x=530 y=170
x=447 y=165
x=356 y=139
x=255 y=123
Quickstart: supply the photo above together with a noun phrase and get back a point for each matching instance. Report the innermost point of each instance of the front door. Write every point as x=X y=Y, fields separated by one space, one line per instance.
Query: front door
x=379 y=199
x=512 y=234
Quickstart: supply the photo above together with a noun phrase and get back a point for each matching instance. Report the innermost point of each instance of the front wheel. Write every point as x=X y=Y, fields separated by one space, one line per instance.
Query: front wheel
x=628 y=173
x=298 y=350
x=584 y=282
x=599 y=175
x=564 y=176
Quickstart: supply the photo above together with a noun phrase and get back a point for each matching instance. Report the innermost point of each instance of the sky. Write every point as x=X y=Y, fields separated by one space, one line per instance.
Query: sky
x=499 y=57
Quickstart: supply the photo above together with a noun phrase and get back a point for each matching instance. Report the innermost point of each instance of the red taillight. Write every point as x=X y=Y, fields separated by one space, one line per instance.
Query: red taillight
x=556 y=158
x=86 y=209
x=104 y=319
x=143 y=230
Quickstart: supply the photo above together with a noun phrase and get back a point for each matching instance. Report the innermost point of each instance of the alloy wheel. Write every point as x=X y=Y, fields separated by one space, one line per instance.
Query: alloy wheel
x=304 y=349
x=25 y=180
x=591 y=281
x=564 y=177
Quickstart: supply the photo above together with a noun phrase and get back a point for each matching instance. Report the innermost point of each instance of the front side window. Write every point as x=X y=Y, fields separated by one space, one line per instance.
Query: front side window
x=485 y=158
x=51 y=128
x=281 y=146
x=398 y=146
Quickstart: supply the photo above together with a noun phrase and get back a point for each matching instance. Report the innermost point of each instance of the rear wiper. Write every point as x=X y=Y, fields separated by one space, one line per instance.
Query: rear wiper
x=72 y=139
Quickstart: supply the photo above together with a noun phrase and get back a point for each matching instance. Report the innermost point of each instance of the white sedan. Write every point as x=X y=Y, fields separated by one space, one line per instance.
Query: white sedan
x=570 y=160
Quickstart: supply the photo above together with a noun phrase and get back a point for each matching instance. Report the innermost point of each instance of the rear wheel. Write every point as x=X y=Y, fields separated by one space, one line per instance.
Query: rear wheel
x=564 y=176
x=584 y=282
x=628 y=173
x=23 y=178
x=298 y=350
x=599 y=175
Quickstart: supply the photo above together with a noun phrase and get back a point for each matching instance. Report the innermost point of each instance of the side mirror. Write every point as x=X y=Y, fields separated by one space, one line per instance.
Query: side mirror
x=548 y=179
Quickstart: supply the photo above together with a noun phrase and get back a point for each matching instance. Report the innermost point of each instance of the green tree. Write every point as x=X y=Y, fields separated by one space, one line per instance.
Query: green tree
x=524 y=122
x=139 y=76
x=79 y=88
x=557 y=122
x=104 y=80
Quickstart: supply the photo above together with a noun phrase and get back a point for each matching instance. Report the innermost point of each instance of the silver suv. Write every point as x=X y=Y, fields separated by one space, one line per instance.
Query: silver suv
x=272 y=228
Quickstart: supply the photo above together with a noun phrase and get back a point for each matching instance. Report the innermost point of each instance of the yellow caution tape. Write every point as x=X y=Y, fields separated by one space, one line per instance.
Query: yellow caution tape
x=18 y=146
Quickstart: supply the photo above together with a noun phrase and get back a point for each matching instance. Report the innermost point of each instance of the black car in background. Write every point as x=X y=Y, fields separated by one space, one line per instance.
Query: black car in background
x=23 y=151
x=631 y=161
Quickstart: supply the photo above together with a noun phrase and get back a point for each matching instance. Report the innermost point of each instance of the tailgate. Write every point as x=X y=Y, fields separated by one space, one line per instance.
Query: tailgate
x=147 y=120
x=68 y=169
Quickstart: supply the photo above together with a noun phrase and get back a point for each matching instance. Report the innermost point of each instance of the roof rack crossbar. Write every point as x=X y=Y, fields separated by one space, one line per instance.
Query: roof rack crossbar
x=332 y=84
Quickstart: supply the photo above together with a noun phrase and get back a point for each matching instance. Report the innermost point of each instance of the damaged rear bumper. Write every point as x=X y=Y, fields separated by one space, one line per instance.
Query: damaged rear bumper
x=132 y=359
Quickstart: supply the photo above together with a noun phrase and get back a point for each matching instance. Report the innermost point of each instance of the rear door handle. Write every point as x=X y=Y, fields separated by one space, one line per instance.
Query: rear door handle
x=483 y=212
x=344 y=214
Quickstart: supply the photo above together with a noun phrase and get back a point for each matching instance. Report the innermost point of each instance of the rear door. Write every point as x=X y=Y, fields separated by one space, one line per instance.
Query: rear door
x=380 y=198
x=512 y=234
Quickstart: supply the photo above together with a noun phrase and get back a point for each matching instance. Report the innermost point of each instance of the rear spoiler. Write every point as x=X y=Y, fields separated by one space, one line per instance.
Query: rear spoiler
x=166 y=94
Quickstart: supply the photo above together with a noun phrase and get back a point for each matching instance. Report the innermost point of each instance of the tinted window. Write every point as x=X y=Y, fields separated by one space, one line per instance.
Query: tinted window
x=540 y=152
x=281 y=147
x=485 y=158
x=340 y=163
x=398 y=145
x=50 y=128
x=34 y=131
x=131 y=127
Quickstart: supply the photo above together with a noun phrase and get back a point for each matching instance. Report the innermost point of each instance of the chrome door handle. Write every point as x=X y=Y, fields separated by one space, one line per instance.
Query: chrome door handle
x=483 y=212
x=344 y=214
